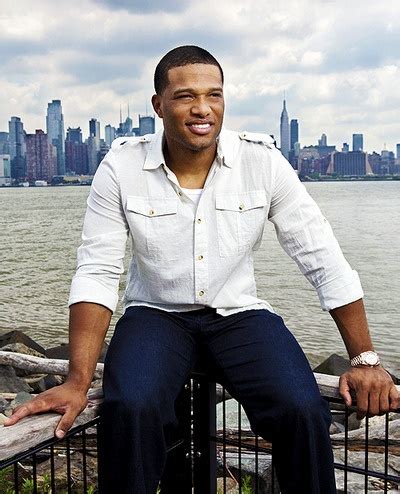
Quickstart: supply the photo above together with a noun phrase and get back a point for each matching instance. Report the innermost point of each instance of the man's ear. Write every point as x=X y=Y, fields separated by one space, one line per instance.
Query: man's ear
x=156 y=102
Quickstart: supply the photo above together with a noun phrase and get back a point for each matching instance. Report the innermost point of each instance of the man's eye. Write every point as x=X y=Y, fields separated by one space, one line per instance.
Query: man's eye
x=216 y=95
x=184 y=96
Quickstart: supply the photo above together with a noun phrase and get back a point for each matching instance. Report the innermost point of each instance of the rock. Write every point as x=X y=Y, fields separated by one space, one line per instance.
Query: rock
x=10 y=382
x=21 y=348
x=20 y=337
x=22 y=397
x=62 y=352
x=4 y=404
x=334 y=365
x=231 y=485
x=231 y=416
x=336 y=427
x=2 y=418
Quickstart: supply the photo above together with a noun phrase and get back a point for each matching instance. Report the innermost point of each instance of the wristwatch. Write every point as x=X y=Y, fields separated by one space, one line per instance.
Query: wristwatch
x=369 y=359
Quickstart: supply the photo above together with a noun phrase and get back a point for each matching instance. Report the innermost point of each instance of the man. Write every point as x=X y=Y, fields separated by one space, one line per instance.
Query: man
x=194 y=198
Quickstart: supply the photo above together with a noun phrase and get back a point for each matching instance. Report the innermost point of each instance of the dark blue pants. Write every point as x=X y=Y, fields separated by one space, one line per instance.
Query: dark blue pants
x=150 y=356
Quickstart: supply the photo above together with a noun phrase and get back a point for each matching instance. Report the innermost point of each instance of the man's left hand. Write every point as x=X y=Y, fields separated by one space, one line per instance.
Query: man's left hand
x=375 y=391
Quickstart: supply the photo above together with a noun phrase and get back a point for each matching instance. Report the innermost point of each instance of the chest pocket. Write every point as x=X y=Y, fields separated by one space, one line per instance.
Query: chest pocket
x=154 y=226
x=240 y=220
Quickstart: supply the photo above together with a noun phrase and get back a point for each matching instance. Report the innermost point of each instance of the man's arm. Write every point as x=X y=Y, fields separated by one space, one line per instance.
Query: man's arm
x=88 y=324
x=374 y=388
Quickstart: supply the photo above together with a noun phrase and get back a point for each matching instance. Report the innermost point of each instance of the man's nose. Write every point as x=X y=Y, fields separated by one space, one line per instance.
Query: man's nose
x=201 y=107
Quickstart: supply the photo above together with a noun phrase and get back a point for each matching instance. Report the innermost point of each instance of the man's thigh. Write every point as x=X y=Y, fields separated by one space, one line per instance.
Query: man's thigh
x=261 y=364
x=149 y=358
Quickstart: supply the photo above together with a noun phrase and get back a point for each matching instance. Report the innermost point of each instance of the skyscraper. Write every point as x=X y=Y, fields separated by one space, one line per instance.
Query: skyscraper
x=4 y=143
x=146 y=125
x=358 y=144
x=93 y=143
x=41 y=157
x=323 y=141
x=55 y=132
x=109 y=132
x=94 y=128
x=76 y=152
x=285 y=135
x=74 y=135
x=398 y=151
x=17 y=146
x=294 y=133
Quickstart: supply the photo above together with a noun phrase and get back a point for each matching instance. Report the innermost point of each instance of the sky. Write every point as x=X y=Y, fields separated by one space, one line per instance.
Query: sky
x=338 y=62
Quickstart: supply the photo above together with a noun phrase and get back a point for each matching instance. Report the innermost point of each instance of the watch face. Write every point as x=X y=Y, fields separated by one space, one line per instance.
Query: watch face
x=371 y=358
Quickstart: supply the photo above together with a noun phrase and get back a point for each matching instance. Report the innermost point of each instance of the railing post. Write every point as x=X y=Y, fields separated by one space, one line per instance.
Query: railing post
x=204 y=432
x=177 y=475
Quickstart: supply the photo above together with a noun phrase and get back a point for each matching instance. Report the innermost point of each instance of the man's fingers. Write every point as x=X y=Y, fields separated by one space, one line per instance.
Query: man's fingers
x=29 y=408
x=362 y=404
x=65 y=423
x=344 y=390
x=394 y=398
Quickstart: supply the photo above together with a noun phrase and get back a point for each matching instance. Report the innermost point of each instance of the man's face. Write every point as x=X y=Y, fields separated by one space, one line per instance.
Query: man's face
x=192 y=107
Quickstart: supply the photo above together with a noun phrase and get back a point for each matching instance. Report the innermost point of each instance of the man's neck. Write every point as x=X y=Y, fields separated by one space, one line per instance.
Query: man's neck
x=190 y=167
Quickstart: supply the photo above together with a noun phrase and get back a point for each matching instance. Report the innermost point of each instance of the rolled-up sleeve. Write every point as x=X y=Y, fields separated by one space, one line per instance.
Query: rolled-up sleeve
x=307 y=237
x=104 y=236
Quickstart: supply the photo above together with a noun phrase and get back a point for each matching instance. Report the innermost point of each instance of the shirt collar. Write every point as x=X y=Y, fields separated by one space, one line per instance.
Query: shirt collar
x=155 y=155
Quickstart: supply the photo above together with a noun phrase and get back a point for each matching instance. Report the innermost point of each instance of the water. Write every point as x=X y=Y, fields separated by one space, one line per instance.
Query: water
x=40 y=231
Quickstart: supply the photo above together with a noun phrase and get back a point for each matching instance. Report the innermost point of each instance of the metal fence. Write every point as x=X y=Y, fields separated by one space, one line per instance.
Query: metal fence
x=214 y=452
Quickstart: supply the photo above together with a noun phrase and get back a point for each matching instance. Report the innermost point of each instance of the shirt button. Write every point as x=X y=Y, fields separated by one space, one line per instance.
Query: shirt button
x=241 y=206
x=151 y=212
x=179 y=193
x=200 y=258
x=198 y=220
x=201 y=293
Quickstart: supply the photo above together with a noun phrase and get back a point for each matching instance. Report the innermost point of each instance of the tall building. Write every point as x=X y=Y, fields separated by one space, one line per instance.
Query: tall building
x=55 y=132
x=110 y=133
x=285 y=134
x=17 y=148
x=146 y=125
x=94 y=128
x=358 y=142
x=5 y=171
x=353 y=163
x=93 y=144
x=4 y=144
x=323 y=142
x=41 y=157
x=398 y=151
x=345 y=148
x=74 y=134
x=76 y=152
x=294 y=133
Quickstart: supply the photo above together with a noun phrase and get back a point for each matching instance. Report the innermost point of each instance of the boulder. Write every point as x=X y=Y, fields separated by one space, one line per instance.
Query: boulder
x=334 y=365
x=15 y=336
x=4 y=404
x=10 y=382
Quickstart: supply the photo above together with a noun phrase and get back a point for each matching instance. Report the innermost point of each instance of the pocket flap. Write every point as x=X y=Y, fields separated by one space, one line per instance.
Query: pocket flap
x=151 y=207
x=241 y=201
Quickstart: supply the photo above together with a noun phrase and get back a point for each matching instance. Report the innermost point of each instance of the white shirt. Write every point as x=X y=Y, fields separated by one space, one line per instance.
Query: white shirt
x=188 y=256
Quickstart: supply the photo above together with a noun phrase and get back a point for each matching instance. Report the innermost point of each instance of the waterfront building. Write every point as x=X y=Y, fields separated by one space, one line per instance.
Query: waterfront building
x=5 y=169
x=358 y=142
x=93 y=145
x=17 y=147
x=74 y=134
x=146 y=125
x=110 y=134
x=4 y=144
x=41 y=157
x=55 y=132
x=284 y=131
x=353 y=163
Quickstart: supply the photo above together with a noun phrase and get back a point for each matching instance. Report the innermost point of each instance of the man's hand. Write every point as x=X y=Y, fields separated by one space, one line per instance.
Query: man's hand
x=375 y=391
x=65 y=399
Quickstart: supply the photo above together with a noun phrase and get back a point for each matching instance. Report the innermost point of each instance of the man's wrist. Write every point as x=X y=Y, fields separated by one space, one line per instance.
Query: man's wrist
x=365 y=359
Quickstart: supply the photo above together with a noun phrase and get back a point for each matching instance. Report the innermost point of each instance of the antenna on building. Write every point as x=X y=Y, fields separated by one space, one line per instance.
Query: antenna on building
x=128 y=110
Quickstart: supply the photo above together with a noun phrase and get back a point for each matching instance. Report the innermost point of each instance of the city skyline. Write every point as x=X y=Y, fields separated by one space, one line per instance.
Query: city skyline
x=338 y=66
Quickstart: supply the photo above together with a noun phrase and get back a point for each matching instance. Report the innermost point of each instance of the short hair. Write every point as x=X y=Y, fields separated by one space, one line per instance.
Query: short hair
x=179 y=57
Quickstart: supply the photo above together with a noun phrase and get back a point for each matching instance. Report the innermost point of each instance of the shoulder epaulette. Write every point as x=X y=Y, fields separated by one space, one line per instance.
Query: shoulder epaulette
x=259 y=138
x=121 y=141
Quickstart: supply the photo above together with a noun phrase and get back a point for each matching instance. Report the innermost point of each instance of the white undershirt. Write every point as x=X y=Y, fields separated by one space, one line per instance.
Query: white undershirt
x=193 y=194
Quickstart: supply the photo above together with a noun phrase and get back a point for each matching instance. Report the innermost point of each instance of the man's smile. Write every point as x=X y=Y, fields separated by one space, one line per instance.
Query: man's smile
x=200 y=128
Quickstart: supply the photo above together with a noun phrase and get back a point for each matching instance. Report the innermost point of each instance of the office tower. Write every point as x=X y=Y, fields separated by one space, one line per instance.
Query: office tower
x=358 y=144
x=55 y=132
x=5 y=171
x=109 y=132
x=41 y=157
x=146 y=125
x=4 y=143
x=17 y=146
x=284 y=128
x=345 y=148
x=294 y=133
x=74 y=135
x=352 y=163
x=94 y=128
x=398 y=151
x=323 y=142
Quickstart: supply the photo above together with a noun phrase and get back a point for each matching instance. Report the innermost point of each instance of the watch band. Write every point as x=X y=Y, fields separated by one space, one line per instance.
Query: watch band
x=369 y=359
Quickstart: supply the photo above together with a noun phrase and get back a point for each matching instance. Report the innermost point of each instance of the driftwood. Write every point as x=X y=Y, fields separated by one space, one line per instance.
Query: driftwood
x=38 y=365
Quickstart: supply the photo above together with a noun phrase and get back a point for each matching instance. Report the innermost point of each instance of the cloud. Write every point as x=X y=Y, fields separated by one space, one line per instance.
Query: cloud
x=146 y=6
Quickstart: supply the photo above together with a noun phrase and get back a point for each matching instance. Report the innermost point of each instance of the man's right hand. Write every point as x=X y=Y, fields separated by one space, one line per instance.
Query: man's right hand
x=65 y=399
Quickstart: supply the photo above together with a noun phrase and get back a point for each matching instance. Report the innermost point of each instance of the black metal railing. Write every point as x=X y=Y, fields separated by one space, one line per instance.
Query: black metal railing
x=208 y=455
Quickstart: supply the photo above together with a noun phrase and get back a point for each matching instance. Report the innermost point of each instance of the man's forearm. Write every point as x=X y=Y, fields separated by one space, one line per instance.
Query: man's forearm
x=88 y=324
x=351 y=321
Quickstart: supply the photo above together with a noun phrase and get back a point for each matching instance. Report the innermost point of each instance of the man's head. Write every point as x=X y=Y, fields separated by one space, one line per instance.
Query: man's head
x=189 y=98
x=179 y=57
